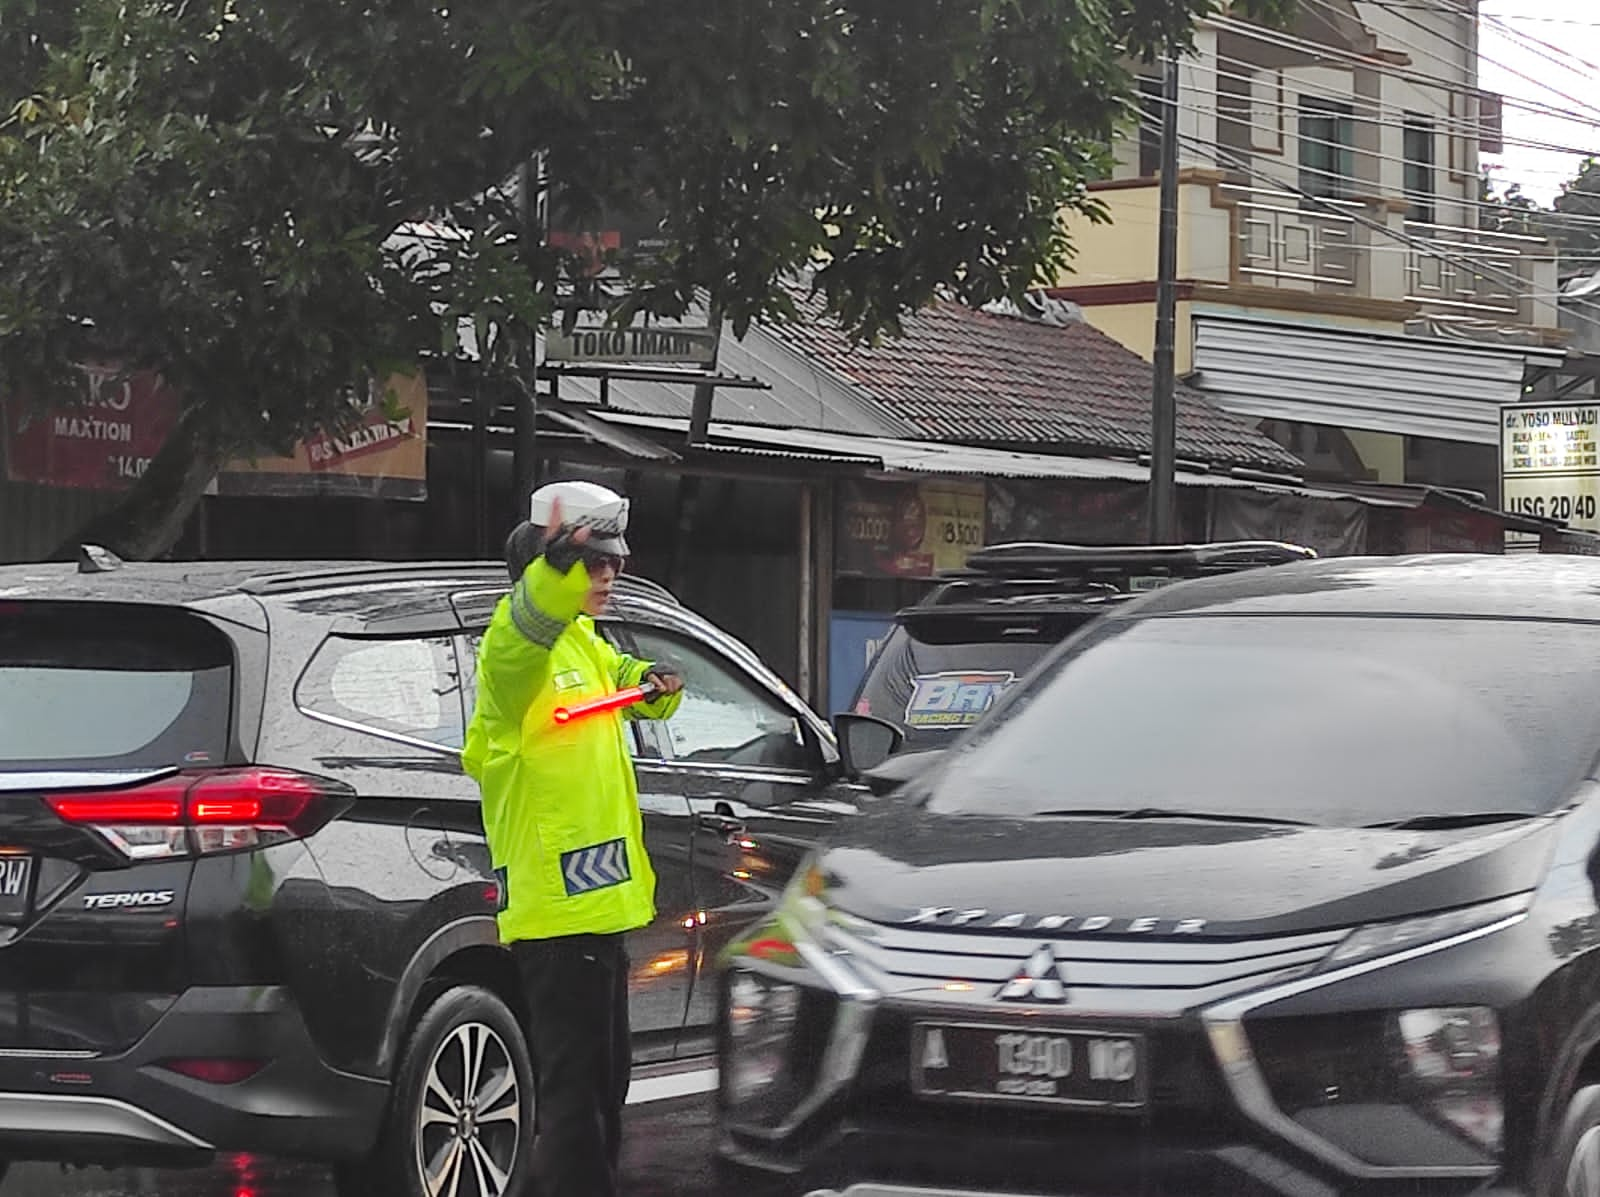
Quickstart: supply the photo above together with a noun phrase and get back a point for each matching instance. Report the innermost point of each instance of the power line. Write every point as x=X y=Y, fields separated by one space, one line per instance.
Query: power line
x=1461 y=45
x=1465 y=201
x=1240 y=118
x=1518 y=16
x=1335 y=54
x=1577 y=64
x=1446 y=121
x=1518 y=285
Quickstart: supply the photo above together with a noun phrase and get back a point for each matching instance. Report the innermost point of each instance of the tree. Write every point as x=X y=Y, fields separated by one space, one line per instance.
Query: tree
x=1575 y=225
x=209 y=189
x=1572 y=222
x=1512 y=211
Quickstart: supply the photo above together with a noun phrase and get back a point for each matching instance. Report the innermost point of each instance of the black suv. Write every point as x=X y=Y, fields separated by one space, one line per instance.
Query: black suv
x=245 y=901
x=1283 y=883
x=950 y=657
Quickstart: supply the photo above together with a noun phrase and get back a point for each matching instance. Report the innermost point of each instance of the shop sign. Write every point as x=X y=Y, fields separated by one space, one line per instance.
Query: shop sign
x=908 y=530
x=108 y=441
x=384 y=455
x=678 y=344
x=104 y=442
x=1550 y=462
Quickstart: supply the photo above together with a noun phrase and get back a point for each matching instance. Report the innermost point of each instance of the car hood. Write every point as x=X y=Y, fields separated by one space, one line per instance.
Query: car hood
x=899 y=863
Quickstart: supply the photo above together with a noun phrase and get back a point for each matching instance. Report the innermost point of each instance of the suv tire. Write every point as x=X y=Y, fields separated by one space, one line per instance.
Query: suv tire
x=463 y=1099
x=1574 y=1168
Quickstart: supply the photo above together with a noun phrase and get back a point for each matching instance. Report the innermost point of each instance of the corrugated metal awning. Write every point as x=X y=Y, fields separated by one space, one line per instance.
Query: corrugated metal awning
x=927 y=457
x=623 y=440
x=1348 y=378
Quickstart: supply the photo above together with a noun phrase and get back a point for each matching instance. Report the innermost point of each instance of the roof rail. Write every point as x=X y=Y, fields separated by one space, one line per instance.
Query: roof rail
x=654 y=589
x=302 y=575
x=308 y=576
x=1043 y=560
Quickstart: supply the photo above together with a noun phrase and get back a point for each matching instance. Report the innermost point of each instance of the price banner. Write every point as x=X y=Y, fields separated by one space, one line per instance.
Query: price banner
x=909 y=530
x=1550 y=462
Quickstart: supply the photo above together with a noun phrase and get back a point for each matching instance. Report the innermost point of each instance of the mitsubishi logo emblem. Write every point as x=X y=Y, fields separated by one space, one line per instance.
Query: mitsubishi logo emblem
x=1038 y=980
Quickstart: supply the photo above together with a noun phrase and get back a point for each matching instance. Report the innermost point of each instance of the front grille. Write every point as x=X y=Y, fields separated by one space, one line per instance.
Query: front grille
x=1119 y=976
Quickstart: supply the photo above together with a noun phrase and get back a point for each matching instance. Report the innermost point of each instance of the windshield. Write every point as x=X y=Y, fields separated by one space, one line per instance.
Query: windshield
x=1334 y=721
x=933 y=691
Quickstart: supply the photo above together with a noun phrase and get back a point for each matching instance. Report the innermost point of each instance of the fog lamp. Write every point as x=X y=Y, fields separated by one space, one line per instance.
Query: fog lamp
x=1452 y=1066
x=761 y=1015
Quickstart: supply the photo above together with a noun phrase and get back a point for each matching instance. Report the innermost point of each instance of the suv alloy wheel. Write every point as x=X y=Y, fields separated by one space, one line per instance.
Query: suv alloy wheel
x=462 y=1116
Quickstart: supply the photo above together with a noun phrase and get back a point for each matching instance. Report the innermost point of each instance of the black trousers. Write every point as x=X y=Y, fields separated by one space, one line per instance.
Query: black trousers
x=577 y=988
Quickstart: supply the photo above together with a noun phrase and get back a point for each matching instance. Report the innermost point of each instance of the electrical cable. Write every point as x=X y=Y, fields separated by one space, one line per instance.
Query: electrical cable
x=1520 y=286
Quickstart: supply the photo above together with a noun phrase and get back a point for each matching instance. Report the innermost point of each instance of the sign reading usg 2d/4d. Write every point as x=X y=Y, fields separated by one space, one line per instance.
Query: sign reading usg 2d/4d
x=1550 y=461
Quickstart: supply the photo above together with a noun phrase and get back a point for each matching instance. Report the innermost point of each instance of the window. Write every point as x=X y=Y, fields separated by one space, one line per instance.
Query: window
x=725 y=718
x=1327 y=161
x=112 y=687
x=1336 y=721
x=1419 y=152
x=642 y=746
x=403 y=687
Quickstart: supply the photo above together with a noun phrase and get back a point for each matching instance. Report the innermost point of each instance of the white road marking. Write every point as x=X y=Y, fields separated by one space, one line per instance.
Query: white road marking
x=645 y=1090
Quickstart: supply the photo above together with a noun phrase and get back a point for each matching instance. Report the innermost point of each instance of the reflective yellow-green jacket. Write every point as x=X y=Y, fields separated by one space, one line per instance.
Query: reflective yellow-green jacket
x=560 y=802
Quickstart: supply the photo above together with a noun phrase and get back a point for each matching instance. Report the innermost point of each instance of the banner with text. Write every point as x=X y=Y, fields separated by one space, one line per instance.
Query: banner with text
x=103 y=443
x=385 y=456
x=910 y=529
x=107 y=441
x=1550 y=462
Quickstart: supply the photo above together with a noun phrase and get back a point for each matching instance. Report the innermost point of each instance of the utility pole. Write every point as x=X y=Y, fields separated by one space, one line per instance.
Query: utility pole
x=525 y=434
x=1164 y=405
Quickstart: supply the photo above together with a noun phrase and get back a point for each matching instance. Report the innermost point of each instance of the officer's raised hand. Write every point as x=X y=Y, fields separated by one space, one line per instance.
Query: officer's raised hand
x=563 y=544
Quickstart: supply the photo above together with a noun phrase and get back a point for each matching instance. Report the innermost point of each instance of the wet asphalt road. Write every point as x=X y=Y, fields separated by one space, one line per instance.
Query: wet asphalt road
x=666 y=1155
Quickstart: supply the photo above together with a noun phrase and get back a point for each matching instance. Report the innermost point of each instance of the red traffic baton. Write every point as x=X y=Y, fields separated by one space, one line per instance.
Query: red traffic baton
x=610 y=702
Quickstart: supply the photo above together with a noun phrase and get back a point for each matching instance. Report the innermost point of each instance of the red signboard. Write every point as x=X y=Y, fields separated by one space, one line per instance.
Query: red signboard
x=104 y=443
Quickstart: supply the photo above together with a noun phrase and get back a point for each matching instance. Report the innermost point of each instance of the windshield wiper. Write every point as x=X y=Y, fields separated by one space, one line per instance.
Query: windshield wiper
x=1158 y=812
x=1450 y=822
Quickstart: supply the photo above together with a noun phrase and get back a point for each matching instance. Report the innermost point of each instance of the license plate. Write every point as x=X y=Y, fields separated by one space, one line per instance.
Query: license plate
x=16 y=887
x=1039 y=1065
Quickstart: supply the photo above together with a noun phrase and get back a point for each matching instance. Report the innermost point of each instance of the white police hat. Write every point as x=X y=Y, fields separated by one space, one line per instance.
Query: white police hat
x=585 y=505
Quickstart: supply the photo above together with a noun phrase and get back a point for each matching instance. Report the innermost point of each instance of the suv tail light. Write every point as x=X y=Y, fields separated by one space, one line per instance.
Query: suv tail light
x=206 y=812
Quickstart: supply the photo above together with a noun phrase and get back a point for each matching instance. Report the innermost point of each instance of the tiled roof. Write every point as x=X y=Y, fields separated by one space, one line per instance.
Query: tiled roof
x=978 y=377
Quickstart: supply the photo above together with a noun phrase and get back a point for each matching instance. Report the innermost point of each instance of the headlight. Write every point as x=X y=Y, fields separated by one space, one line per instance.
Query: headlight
x=1384 y=939
x=1451 y=1062
x=761 y=1017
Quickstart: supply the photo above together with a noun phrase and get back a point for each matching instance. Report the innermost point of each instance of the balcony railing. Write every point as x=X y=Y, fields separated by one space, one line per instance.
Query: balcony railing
x=1474 y=272
x=1366 y=249
x=1282 y=245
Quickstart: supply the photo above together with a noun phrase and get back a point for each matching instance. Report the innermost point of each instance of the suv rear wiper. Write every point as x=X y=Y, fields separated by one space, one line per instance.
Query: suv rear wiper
x=1158 y=812
x=1450 y=822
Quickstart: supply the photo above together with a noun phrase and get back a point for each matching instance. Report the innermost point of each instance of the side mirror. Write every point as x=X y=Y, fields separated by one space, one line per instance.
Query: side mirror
x=865 y=741
x=900 y=769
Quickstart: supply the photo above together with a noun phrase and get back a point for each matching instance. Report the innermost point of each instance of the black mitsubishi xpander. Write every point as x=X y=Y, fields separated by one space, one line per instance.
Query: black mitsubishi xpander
x=1278 y=884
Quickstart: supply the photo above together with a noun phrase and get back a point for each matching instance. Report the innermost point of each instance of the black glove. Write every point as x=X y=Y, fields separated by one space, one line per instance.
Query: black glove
x=526 y=543
x=563 y=550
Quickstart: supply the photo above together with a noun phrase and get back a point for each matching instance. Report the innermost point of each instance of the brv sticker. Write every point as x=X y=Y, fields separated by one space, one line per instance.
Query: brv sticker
x=951 y=700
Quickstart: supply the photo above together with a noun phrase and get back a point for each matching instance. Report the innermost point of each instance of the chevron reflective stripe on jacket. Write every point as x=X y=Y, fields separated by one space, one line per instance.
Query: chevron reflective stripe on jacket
x=595 y=867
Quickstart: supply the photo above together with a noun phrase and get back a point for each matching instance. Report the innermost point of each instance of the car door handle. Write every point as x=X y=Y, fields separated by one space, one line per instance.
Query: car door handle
x=729 y=827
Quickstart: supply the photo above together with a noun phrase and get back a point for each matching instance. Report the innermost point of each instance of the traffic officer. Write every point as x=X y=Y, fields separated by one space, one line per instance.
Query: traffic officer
x=560 y=807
